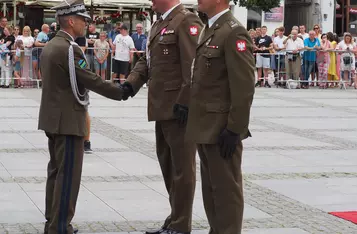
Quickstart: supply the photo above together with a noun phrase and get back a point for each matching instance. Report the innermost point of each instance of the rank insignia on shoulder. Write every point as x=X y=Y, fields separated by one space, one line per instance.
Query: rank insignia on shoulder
x=233 y=24
x=82 y=63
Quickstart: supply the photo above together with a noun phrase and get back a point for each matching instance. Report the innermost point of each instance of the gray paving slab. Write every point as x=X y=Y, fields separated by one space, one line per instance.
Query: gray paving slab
x=299 y=165
x=13 y=141
x=251 y=231
x=350 y=135
x=317 y=124
x=281 y=139
x=132 y=163
x=131 y=124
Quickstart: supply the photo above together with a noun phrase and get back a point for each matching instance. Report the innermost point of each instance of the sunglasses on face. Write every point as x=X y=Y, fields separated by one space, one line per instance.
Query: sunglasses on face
x=316 y=28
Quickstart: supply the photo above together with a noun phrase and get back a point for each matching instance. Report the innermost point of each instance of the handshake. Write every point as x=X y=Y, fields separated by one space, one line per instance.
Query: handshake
x=128 y=90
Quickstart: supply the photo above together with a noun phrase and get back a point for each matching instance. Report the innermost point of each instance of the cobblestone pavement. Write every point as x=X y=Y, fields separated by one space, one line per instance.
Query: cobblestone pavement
x=299 y=165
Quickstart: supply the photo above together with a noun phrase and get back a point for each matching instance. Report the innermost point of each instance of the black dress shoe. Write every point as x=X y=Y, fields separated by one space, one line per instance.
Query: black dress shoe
x=75 y=230
x=161 y=230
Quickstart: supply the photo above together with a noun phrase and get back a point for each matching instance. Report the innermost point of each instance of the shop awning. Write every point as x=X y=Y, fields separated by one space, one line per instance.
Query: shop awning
x=49 y=3
x=105 y=3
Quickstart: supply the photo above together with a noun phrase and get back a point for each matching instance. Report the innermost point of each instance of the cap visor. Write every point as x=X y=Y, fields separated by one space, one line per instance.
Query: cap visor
x=85 y=15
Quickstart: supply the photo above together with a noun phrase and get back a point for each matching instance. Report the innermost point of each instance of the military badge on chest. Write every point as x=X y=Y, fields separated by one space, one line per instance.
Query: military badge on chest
x=209 y=46
x=165 y=32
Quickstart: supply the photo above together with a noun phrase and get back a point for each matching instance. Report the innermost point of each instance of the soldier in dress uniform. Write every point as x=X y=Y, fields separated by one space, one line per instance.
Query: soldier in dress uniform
x=222 y=90
x=64 y=102
x=167 y=67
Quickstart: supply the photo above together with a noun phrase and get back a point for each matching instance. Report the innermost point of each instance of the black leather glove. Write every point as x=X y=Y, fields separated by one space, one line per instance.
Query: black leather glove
x=228 y=141
x=128 y=90
x=181 y=113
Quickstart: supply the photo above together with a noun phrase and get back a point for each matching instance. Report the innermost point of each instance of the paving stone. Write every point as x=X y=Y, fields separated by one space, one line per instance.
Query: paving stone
x=299 y=165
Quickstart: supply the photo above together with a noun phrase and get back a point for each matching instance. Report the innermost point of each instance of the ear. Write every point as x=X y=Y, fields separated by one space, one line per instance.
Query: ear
x=70 y=21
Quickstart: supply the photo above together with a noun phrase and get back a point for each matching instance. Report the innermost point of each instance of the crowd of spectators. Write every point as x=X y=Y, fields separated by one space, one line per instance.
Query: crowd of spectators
x=313 y=58
x=115 y=51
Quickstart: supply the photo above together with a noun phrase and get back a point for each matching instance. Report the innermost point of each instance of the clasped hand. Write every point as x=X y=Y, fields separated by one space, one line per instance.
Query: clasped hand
x=128 y=90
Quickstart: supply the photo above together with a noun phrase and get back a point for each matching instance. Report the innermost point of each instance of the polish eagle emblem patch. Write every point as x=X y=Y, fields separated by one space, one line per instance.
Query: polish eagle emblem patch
x=241 y=45
x=194 y=30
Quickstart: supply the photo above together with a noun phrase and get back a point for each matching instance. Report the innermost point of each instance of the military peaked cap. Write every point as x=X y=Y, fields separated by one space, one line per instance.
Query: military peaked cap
x=71 y=7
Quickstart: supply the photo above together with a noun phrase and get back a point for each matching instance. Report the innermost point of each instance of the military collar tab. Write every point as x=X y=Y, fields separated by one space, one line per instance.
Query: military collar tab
x=233 y=24
x=65 y=35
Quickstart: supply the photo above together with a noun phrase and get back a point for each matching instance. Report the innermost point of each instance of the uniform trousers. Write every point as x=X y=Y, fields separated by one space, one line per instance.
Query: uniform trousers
x=64 y=173
x=222 y=189
x=178 y=166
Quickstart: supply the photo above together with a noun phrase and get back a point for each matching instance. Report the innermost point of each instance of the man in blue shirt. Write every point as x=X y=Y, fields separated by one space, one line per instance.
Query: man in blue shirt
x=138 y=39
x=112 y=34
x=111 y=37
x=41 y=41
x=311 y=45
x=143 y=45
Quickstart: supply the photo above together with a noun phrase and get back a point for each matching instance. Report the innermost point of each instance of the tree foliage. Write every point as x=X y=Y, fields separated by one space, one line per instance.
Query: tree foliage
x=264 y=5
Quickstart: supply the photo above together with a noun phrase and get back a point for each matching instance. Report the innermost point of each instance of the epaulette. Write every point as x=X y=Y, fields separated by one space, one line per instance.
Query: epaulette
x=233 y=24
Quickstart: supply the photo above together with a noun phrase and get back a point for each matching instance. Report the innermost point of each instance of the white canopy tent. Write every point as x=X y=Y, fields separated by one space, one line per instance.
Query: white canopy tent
x=106 y=3
x=102 y=3
x=131 y=3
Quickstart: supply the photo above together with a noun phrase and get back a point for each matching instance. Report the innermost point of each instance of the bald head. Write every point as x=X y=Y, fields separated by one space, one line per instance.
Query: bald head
x=45 y=28
x=294 y=31
x=139 y=28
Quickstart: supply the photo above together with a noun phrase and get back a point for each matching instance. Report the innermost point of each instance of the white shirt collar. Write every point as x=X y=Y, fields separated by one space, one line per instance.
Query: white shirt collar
x=68 y=34
x=212 y=20
x=164 y=16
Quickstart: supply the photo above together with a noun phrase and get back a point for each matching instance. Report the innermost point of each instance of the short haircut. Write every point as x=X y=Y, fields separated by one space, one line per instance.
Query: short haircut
x=264 y=27
x=63 y=21
x=44 y=26
x=124 y=27
x=281 y=29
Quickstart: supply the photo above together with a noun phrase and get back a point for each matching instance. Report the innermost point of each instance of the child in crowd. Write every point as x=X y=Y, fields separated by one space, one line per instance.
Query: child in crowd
x=16 y=62
x=101 y=52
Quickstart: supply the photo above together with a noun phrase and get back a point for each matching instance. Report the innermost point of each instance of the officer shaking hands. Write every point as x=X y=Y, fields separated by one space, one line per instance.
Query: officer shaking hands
x=64 y=103
x=166 y=66
x=222 y=90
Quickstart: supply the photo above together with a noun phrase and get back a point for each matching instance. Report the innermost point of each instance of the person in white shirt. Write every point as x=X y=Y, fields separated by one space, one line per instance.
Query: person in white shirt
x=293 y=46
x=278 y=44
x=124 y=47
x=303 y=33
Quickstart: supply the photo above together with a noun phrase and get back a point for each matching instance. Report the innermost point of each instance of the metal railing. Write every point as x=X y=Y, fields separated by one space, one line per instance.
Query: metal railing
x=23 y=71
x=284 y=62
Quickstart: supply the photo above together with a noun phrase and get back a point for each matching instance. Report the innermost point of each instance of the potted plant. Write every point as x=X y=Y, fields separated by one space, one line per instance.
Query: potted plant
x=142 y=16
